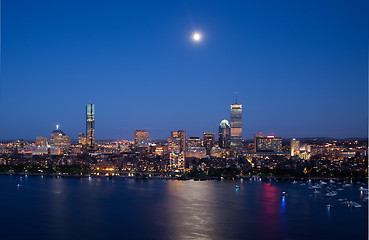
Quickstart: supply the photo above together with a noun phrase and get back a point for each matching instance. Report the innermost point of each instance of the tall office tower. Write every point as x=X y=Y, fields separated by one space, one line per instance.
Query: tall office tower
x=141 y=138
x=224 y=135
x=177 y=141
x=182 y=140
x=257 y=135
x=236 y=127
x=90 y=127
x=194 y=142
x=82 y=140
x=269 y=144
x=59 y=139
x=41 y=141
x=176 y=162
x=208 y=141
x=295 y=147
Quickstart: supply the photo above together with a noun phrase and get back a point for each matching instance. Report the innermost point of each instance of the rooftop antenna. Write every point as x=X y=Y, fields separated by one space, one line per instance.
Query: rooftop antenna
x=236 y=97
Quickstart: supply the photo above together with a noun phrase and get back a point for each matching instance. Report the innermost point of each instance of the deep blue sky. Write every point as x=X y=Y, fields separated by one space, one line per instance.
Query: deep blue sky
x=300 y=67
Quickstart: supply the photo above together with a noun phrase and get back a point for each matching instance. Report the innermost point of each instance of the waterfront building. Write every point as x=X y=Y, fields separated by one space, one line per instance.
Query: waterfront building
x=269 y=144
x=177 y=162
x=224 y=135
x=90 y=127
x=41 y=141
x=59 y=139
x=236 y=127
x=209 y=139
x=194 y=142
x=141 y=138
x=295 y=147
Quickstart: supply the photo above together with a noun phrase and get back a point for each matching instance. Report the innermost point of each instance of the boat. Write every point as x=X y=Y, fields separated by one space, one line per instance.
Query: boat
x=331 y=194
x=347 y=185
x=294 y=182
x=321 y=182
x=284 y=194
x=330 y=206
x=339 y=189
x=331 y=181
x=363 y=189
x=237 y=187
x=316 y=186
x=355 y=205
x=316 y=191
x=340 y=199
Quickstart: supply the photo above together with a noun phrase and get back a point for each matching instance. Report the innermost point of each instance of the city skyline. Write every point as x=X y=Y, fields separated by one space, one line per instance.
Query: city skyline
x=296 y=75
x=90 y=127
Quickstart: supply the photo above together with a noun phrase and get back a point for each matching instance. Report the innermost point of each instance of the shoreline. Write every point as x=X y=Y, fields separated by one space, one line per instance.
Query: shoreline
x=126 y=175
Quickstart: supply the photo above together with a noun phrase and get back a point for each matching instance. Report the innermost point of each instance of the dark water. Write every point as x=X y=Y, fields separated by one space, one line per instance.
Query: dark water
x=102 y=208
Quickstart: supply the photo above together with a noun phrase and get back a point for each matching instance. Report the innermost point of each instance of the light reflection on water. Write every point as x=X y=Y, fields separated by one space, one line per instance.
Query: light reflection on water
x=99 y=208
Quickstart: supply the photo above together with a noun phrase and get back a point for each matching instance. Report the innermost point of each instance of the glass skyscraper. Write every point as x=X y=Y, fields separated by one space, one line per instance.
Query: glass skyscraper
x=224 y=136
x=236 y=127
x=90 y=127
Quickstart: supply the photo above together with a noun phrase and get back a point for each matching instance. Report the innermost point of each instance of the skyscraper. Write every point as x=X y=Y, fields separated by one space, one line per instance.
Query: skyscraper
x=182 y=140
x=295 y=147
x=224 y=135
x=208 y=141
x=59 y=139
x=177 y=141
x=236 y=127
x=90 y=127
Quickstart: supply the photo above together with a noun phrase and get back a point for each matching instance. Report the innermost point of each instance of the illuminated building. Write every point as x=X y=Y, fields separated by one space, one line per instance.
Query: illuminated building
x=196 y=152
x=177 y=141
x=59 y=139
x=90 y=127
x=224 y=135
x=295 y=147
x=194 y=142
x=304 y=151
x=46 y=150
x=236 y=127
x=269 y=144
x=82 y=140
x=158 y=150
x=141 y=138
x=208 y=140
x=257 y=135
x=41 y=141
x=216 y=152
x=176 y=162
x=182 y=140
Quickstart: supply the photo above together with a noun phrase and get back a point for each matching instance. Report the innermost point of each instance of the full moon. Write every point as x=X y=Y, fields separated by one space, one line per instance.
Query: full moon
x=196 y=36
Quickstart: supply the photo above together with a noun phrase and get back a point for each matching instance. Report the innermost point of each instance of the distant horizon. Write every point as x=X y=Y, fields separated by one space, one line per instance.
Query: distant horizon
x=248 y=139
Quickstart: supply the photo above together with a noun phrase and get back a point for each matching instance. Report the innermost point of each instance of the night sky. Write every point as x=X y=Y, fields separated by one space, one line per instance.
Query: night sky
x=300 y=68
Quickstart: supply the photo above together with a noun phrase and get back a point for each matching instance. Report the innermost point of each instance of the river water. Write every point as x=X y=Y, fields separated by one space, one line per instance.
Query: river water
x=119 y=208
